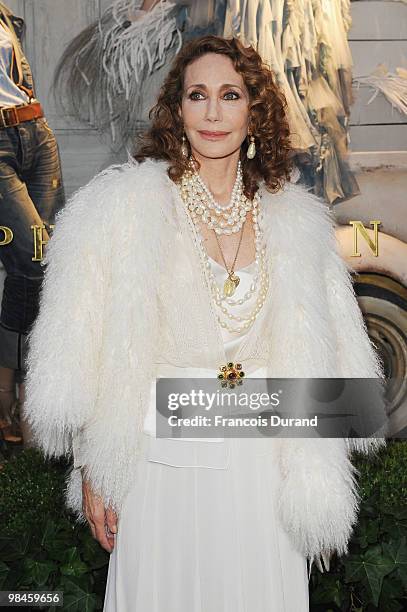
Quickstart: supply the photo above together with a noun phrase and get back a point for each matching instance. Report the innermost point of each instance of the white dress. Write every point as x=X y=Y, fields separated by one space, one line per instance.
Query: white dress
x=202 y=538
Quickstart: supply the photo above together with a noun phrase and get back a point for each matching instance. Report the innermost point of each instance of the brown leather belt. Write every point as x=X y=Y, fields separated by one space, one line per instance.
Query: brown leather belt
x=13 y=115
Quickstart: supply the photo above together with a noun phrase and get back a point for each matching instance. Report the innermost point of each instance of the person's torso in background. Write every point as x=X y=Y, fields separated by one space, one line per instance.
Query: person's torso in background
x=10 y=93
x=21 y=89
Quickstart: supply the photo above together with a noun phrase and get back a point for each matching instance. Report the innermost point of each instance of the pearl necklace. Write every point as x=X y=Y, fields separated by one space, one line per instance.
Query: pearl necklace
x=248 y=320
x=194 y=199
x=222 y=219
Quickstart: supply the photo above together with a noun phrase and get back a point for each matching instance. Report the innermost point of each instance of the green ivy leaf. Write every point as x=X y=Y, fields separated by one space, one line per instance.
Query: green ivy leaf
x=84 y=582
x=38 y=571
x=78 y=598
x=57 y=546
x=330 y=590
x=367 y=532
x=13 y=548
x=72 y=563
x=397 y=551
x=370 y=567
x=394 y=526
x=49 y=534
x=392 y=591
x=93 y=553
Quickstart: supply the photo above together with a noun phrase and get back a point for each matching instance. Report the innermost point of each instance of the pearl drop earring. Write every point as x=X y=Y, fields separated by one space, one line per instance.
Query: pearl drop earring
x=251 y=151
x=184 y=148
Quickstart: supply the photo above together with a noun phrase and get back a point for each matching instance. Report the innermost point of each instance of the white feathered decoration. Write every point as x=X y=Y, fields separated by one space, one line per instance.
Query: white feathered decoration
x=392 y=86
x=103 y=68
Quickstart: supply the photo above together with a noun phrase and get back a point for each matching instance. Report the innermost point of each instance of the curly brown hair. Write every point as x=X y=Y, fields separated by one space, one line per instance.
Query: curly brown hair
x=267 y=117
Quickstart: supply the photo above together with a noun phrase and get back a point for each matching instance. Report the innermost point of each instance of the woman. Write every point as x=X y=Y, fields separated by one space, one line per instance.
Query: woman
x=31 y=192
x=139 y=285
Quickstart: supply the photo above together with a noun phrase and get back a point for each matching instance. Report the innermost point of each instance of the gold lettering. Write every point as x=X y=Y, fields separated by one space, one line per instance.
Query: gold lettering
x=374 y=246
x=8 y=235
x=38 y=241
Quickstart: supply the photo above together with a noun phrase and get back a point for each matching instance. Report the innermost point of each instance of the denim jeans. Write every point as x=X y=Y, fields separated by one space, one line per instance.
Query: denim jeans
x=31 y=193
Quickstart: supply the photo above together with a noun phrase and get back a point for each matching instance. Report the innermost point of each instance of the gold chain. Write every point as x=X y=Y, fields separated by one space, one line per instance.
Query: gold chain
x=232 y=269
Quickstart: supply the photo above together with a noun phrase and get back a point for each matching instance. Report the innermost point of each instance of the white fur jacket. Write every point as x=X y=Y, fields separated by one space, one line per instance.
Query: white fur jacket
x=121 y=264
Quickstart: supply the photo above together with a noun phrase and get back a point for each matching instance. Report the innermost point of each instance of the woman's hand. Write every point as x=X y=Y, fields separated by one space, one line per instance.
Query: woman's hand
x=102 y=521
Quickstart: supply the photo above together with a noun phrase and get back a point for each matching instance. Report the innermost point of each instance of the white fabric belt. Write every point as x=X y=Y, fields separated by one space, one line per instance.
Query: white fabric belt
x=167 y=370
x=170 y=371
x=211 y=453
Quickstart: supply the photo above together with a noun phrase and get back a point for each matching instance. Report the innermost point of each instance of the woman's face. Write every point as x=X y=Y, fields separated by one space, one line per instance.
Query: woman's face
x=215 y=99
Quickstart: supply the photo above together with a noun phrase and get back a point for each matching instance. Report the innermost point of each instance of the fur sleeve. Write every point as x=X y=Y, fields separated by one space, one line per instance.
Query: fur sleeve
x=64 y=342
x=319 y=498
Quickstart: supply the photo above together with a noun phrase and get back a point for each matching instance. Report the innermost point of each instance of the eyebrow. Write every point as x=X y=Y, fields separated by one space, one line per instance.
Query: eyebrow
x=224 y=86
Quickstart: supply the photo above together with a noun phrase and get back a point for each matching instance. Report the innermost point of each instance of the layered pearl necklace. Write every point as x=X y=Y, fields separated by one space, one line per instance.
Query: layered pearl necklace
x=228 y=219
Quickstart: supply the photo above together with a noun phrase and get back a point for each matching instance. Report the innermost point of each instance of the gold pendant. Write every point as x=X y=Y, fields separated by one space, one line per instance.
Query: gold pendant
x=230 y=284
